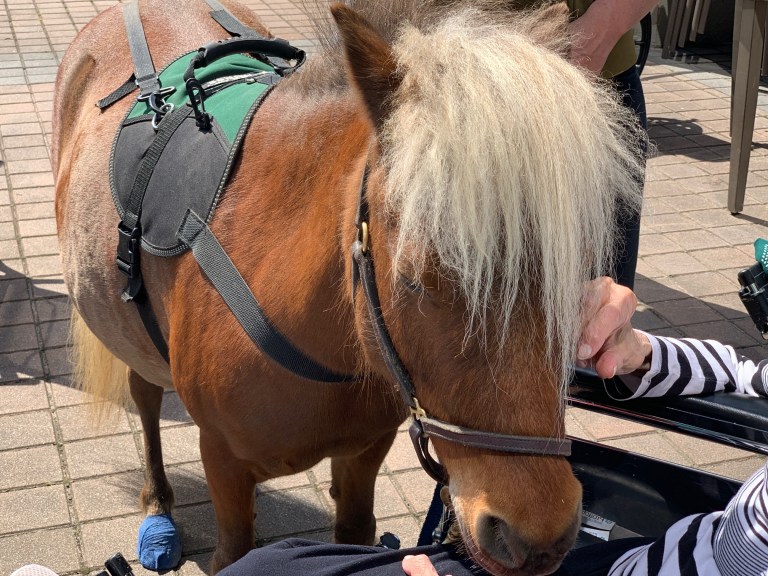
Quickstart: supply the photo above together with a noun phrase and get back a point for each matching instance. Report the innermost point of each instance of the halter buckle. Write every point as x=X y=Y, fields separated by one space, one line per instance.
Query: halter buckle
x=364 y=237
x=416 y=410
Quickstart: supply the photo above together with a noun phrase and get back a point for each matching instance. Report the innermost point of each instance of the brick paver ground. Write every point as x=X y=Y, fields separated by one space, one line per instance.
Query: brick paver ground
x=68 y=493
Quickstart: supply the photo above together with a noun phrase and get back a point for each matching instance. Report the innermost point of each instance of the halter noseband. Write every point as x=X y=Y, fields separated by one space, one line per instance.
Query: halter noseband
x=423 y=427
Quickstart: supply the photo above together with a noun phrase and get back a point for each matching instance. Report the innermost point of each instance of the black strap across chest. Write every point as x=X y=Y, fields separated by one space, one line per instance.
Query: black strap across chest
x=223 y=274
x=194 y=232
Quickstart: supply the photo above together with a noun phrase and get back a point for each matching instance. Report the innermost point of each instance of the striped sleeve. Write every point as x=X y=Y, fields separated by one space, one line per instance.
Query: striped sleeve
x=730 y=543
x=685 y=366
x=684 y=550
x=741 y=540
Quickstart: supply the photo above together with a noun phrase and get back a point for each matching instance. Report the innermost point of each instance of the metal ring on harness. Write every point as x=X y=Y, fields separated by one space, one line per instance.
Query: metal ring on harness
x=156 y=101
x=160 y=114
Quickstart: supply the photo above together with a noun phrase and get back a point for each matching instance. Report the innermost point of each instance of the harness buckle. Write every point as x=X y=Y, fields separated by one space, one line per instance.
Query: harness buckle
x=364 y=236
x=128 y=259
x=416 y=410
x=128 y=246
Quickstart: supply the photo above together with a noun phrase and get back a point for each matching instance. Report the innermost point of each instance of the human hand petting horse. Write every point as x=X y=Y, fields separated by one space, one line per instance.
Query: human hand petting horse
x=608 y=342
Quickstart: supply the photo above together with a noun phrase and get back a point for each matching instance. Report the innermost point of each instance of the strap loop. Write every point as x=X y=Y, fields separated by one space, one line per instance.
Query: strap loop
x=197 y=102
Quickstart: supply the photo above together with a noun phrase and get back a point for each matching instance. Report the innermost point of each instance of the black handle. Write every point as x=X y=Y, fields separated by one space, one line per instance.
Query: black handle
x=213 y=51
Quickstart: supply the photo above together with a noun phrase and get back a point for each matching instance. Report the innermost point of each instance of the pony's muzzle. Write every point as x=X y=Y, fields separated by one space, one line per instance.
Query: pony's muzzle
x=504 y=545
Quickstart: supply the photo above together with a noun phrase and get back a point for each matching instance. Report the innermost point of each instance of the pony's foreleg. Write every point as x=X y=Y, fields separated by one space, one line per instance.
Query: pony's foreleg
x=231 y=486
x=159 y=542
x=352 y=486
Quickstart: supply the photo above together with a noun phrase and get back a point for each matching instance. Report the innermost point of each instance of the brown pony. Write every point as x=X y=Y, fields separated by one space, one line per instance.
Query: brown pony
x=496 y=169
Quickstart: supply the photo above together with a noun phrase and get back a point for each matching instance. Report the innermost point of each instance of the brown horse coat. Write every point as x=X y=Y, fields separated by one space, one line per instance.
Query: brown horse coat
x=286 y=220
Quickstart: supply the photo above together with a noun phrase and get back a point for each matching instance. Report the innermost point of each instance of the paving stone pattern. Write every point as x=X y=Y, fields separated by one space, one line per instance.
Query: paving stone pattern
x=68 y=493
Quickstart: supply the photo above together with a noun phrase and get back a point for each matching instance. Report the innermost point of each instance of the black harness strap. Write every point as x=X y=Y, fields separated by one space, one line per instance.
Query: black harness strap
x=129 y=229
x=149 y=320
x=224 y=276
x=129 y=233
x=166 y=128
x=144 y=71
x=145 y=76
x=229 y=22
x=123 y=91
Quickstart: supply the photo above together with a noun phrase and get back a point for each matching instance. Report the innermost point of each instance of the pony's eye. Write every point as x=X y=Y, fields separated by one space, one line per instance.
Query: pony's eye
x=412 y=286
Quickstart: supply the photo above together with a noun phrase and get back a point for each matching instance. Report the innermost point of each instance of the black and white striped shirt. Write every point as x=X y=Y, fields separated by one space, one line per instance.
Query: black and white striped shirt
x=729 y=543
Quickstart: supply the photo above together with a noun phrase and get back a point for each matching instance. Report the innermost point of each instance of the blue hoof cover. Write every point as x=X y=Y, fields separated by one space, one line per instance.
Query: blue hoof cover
x=159 y=546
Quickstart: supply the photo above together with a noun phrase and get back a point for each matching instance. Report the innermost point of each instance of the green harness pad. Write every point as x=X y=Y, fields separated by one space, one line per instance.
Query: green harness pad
x=191 y=170
x=761 y=253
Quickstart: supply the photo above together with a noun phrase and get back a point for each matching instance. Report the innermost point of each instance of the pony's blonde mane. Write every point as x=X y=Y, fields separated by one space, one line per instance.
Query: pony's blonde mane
x=502 y=158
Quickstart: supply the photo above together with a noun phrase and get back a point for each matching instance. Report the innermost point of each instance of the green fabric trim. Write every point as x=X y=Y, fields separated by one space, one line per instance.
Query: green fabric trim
x=761 y=253
x=228 y=106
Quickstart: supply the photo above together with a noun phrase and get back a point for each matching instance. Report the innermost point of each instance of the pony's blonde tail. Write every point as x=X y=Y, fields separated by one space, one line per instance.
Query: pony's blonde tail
x=98 y=372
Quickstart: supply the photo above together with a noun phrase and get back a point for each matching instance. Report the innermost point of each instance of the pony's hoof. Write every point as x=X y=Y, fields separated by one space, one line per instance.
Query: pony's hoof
x=159 y=546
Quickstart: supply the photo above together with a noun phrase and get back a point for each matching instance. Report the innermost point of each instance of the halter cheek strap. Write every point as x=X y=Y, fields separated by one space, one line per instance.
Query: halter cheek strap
x=423 y=427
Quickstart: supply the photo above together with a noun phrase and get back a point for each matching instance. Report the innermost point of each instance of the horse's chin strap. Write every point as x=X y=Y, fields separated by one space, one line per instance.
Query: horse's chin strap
x=423 y=427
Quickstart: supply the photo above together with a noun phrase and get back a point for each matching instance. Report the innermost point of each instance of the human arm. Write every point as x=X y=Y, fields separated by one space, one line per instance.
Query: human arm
x=657 y=366
x=596 y=32
x=730 y=543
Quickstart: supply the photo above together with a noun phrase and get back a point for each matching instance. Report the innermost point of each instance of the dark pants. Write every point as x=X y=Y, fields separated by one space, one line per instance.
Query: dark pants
x=631 y=90
x=296 y=557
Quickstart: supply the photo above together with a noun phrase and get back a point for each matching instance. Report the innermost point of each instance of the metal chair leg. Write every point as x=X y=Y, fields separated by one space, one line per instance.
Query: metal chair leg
x=745 y=81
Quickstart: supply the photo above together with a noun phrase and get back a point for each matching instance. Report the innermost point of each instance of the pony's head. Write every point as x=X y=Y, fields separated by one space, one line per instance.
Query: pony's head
x=497 y=169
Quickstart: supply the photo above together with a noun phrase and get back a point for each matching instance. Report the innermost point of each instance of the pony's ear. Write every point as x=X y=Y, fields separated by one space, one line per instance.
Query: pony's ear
x=371 y=64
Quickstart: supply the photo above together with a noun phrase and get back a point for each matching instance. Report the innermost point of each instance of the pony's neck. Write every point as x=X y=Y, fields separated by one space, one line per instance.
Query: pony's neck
x=299 y=181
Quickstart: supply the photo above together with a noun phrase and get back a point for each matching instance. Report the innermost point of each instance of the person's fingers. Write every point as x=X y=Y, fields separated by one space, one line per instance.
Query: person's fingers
x=607 y=364
x=625 y=352
x=418 y=566
x=616 y=307
x=596 y=294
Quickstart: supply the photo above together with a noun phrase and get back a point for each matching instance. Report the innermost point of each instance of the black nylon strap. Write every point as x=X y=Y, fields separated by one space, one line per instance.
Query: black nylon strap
x=165 y=130
x=224 y=276
x=148 y=318
x=229 y=22
x=226 y=20
x=265 y=47
x=144 y=70
x=121 y=92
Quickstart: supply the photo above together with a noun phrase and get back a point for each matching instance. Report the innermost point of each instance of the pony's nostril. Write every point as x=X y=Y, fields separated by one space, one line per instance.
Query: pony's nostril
x=500 y=542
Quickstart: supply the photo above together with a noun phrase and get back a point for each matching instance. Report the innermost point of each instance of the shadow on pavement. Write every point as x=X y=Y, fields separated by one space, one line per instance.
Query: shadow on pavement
x=669 y=311
x=279 y=514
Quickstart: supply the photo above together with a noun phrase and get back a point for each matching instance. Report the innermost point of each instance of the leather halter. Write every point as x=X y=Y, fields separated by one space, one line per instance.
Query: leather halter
x=423 y=427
